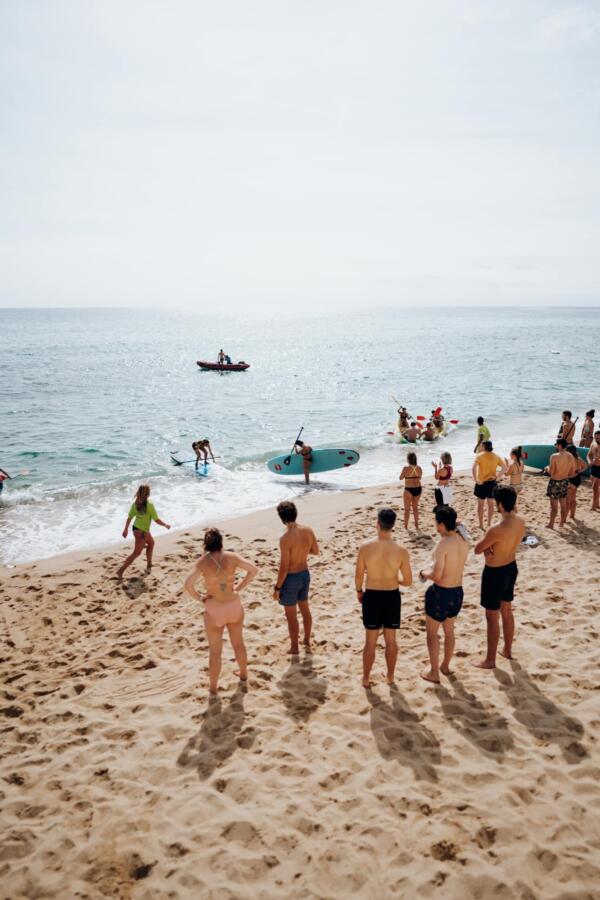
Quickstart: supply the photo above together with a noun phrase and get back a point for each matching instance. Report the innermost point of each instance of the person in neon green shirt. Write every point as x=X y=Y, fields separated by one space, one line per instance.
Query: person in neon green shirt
x=483 y=434
x=142 y=513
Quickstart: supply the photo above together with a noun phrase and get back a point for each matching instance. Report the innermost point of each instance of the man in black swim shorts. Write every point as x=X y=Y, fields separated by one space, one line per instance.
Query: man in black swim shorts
x=381 y=561
x=443 y=600
x=499 y=546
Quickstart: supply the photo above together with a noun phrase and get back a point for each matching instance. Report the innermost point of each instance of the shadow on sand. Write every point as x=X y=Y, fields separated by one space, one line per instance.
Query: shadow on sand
x=221 y=734
x=400 y=734
x=302 y=691
x=486 y=730
x=541 y=716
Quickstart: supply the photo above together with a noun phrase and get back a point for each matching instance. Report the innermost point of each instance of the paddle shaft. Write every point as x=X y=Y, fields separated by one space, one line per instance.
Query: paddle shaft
x=287 y=460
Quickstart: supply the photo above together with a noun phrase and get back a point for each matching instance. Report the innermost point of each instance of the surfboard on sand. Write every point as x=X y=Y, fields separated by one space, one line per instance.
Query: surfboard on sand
x=322 y=461
x=537 y=456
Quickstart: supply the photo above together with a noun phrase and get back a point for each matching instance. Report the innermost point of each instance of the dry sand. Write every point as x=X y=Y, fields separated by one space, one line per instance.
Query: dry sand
x=119 y=779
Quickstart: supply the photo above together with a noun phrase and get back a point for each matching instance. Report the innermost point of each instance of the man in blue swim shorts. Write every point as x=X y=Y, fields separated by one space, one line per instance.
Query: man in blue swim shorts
x=443 y=600
x=293 y=578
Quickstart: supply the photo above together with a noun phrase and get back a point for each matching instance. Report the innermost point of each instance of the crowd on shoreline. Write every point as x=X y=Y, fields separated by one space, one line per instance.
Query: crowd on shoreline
x=383 y=566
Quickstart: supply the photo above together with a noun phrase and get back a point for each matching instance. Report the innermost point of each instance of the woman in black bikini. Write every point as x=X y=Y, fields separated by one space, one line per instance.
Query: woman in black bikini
x=574 y=481
x=411 y=474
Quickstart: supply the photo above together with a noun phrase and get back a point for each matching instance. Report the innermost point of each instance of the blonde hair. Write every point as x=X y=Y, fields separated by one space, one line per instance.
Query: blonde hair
x=446 y=458
x=141 y=498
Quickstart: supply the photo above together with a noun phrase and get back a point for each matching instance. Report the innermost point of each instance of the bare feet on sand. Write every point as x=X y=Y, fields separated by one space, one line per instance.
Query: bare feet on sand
x=444 y=671
x=428 y=675
x=485 y=664
x=390 y=679
x=506 y=654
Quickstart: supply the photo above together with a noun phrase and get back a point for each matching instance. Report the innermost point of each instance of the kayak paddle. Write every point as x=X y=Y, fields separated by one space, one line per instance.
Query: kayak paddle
x=288 y=459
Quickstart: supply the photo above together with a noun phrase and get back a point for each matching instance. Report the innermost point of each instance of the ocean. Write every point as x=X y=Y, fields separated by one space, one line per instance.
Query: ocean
x=93 y=401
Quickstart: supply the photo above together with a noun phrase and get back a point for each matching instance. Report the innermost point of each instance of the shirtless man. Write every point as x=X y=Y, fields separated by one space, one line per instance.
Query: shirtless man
x=305 y=451
x=381 y=560
x=428 y=433
x=499 y=546
x=293 y=578
x=403 y=419
x=594 y=464
x=411 y=434
x=561 y=467
x=443 y=600
x=567 y=427
x=202 y=448
x=485 y=471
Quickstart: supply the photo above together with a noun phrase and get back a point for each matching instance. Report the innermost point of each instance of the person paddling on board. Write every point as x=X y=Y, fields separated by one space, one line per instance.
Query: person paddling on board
x=428 y=433
x=202 y=448
x=403 y=420
x=437 y=419
x=3 y=476
x=305 y=451
x=411 y=434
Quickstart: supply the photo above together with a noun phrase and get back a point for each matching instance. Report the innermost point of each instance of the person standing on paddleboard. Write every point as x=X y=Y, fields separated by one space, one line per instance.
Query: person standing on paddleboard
x=305 y=451
x=142 y=513
x=202 y=447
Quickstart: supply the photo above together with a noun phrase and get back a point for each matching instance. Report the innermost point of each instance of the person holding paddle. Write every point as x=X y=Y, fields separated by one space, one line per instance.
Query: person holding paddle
x=567 y=427
x=203 y=447
x=305 y=451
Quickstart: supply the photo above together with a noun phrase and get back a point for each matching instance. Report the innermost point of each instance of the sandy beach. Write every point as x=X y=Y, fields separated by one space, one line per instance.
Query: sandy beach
x=120 y=779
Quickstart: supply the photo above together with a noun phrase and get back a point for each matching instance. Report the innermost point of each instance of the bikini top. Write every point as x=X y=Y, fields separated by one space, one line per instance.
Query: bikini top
x=448 y=476
x=414 y=474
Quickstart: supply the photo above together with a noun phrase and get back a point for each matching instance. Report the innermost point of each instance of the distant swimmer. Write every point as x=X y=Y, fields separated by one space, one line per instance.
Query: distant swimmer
x=587 y=429
x=202 y=448
x=305 y=451
x=222 y=602
x=574 y=481
x=567 y=427
x=594 y=464
x=428 y=433
x=142 y=513
x=499 y=547
x=561 y=467
x=381 y=561
x=411 y=475
x=514 y=468
x=443 y=600
x=293 y=578
x=3 y=477
x=412 y=434
x=483 y=434
x=442 y=472
x=485 y=470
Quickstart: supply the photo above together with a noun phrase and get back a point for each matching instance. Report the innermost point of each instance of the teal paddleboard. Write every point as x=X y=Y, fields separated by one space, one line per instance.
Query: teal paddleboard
x=322 y=461
x=537 y=456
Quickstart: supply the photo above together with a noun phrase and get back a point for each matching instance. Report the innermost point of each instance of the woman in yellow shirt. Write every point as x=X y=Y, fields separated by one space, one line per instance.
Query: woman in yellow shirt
x=142 y=513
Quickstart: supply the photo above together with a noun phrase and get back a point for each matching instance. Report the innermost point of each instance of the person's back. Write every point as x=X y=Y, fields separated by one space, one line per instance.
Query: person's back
x=487 y=463
x=412 y=433
x=298 y=542
x=561 y=465
x=453 y=550
x=383 y=560
x=219 y=574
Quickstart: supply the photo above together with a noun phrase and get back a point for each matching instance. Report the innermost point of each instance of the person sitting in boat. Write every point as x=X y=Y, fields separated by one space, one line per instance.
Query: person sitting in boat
x=428 y=433
x=305 y=451
x=227 y=359
x=411 y=434
x=437 y=420
x=202 y=448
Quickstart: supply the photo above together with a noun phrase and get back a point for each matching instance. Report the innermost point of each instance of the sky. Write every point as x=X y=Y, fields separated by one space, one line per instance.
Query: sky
x=315 y=155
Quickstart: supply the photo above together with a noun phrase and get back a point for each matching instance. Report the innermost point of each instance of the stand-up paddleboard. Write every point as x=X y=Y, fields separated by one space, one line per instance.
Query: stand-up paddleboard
x=322 y=461
x=179 y=458
x=537 y=456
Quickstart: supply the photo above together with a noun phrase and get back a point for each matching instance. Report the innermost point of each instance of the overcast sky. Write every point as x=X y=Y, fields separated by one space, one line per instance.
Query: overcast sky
x=320 y=154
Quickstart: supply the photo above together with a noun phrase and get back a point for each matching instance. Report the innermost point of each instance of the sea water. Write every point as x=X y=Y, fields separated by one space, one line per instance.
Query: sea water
x=93 y=401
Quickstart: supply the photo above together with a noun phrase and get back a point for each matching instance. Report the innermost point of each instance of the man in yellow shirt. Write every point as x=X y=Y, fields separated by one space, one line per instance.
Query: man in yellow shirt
x=483 y=434
x=485 y=472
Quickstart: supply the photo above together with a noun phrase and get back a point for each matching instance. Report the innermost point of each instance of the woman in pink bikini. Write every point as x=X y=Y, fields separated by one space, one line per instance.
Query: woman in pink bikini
x=222 y=604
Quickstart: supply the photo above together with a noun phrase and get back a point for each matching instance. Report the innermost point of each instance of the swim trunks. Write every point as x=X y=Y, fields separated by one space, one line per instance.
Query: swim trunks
x=557 y=490
x=485 y=491
x=498 y=584
x=381 y=609
x=415 y=491
x=443 y=603
x=295 y=588
x=595 y=471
